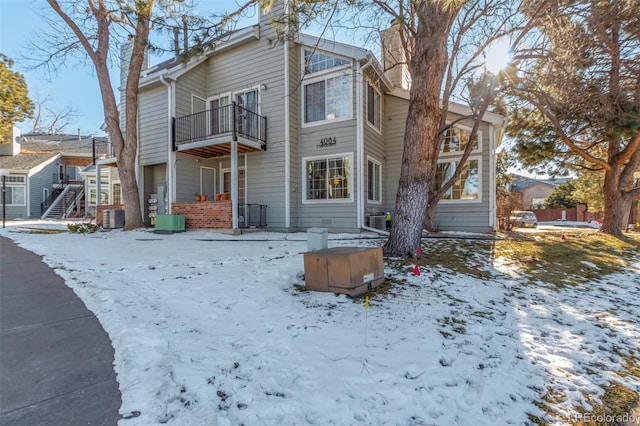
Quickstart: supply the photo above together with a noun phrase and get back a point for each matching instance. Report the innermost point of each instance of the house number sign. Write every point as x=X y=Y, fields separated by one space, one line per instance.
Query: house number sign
x=326 y=142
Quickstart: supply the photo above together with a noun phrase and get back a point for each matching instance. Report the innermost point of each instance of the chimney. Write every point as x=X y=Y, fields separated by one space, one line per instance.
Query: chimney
x=176 y=42
x=394 y=58
x=11 y=147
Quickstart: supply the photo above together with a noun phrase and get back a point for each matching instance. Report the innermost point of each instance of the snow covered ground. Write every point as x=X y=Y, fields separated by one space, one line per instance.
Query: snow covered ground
x=210 y=329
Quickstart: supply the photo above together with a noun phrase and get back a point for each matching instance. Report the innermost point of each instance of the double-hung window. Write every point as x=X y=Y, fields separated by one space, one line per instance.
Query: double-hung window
x=328 y=178
x=327 y=91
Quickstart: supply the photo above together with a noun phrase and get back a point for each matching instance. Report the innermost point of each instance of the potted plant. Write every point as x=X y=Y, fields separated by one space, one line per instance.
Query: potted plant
x=218 y=197
x=203 y=197
x=224 y=196
x=198 y=196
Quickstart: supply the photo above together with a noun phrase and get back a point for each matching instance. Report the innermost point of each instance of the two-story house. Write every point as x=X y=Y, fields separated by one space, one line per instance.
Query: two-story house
x=311 y=128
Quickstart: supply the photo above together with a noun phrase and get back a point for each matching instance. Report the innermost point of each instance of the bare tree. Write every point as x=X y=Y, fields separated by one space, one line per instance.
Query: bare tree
x=48 y=120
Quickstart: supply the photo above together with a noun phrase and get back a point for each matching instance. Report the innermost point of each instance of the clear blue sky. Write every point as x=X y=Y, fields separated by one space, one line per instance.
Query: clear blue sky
x=72 y=85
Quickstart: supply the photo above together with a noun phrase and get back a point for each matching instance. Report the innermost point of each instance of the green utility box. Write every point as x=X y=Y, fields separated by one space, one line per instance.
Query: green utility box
x=169 y=223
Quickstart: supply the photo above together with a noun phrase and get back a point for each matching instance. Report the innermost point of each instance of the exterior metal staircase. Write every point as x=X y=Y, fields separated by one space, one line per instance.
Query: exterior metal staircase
x=64 y=204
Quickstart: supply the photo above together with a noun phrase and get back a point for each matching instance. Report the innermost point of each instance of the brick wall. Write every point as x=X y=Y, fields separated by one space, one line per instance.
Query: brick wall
x=205 y=214
x=101 y=208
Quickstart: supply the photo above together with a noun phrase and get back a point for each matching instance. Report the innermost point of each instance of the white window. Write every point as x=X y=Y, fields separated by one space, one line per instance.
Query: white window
x=374 y=181
x=327 y=178
x=327 y=99
x=14 y=179
x=373 y=106
x=316 y=62
x=327 y=95
x=104 y=197
x=103 y=181
x=466 y=187
x=247 y=113
x=116 y=193
x=15 y=195
x=456 y=140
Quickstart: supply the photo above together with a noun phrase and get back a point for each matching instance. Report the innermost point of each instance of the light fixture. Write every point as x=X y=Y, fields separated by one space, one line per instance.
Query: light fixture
x=263 y=86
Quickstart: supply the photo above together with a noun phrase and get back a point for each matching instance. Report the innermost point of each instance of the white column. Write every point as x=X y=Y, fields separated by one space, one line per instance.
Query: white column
x=98 y=188
x=234 y=184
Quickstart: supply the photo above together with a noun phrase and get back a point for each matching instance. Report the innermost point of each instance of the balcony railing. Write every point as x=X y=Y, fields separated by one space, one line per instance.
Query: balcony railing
x=233 y=120
x=102 y=149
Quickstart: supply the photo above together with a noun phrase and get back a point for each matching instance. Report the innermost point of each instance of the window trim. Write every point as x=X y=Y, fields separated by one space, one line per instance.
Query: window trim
x=303 y=68
x=366 y=119
x=458 y=153
x=193 y=97
x=25 y=196
x=310 y=78
x=327 y=157
x=457 y=160
x=217 y=97
x=378 y=163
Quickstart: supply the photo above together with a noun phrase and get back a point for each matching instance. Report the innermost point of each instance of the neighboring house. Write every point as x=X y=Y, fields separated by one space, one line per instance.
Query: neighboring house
x=44 y=179
x=534 y=191
x=311 y=128
x=109 y=188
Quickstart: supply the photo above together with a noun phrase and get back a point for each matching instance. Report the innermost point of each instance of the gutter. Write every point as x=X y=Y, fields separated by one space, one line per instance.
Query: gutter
x=360 y=142
x=171 y=191
x=287 y=136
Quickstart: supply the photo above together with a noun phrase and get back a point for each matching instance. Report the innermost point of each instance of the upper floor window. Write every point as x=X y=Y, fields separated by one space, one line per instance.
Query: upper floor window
x=373 y=106
x=327 y=99
x=466 y=187
x=327 y=94
x=456 y=140
x=328 y=178
x=316 y=62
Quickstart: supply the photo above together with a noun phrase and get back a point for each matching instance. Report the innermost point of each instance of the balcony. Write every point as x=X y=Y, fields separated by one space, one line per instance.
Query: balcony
x=103 y=151
x=209 y=133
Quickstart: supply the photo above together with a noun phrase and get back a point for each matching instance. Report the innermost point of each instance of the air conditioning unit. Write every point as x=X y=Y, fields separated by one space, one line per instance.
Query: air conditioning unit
x=113 y=219
x=378 y=222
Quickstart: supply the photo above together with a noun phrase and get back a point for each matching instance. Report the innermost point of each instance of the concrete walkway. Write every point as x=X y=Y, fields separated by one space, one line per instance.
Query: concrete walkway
x=56 y=361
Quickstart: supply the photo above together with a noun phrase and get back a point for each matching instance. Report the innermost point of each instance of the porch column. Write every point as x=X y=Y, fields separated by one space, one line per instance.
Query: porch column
x=234 y=184
x=97 y=188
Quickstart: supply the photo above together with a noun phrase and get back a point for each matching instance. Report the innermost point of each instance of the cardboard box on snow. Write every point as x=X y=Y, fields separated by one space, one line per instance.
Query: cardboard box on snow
x=346 y=270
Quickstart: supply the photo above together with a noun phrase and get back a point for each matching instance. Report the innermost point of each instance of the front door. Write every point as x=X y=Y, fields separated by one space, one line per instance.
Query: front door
x=248 y=119
x=208 y=182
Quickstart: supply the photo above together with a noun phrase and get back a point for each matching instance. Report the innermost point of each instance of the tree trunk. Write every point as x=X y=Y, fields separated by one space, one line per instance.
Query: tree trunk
x=614 y=203
x=421 y=138
x=429 y=222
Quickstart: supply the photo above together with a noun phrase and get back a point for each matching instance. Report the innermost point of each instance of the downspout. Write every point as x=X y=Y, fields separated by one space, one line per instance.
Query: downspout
x=171 y=191
x=360 y=146
x=492 y=178
x=287 y=142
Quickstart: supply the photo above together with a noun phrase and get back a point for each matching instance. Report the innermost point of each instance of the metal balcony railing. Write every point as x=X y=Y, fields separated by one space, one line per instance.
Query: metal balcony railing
x=102 y=149
x=233 y=120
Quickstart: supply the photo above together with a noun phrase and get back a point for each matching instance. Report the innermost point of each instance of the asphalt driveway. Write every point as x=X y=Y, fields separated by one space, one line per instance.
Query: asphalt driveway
x=56 y=360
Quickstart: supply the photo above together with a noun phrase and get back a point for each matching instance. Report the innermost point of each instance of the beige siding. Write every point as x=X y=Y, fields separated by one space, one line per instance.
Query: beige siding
x=154 y=143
